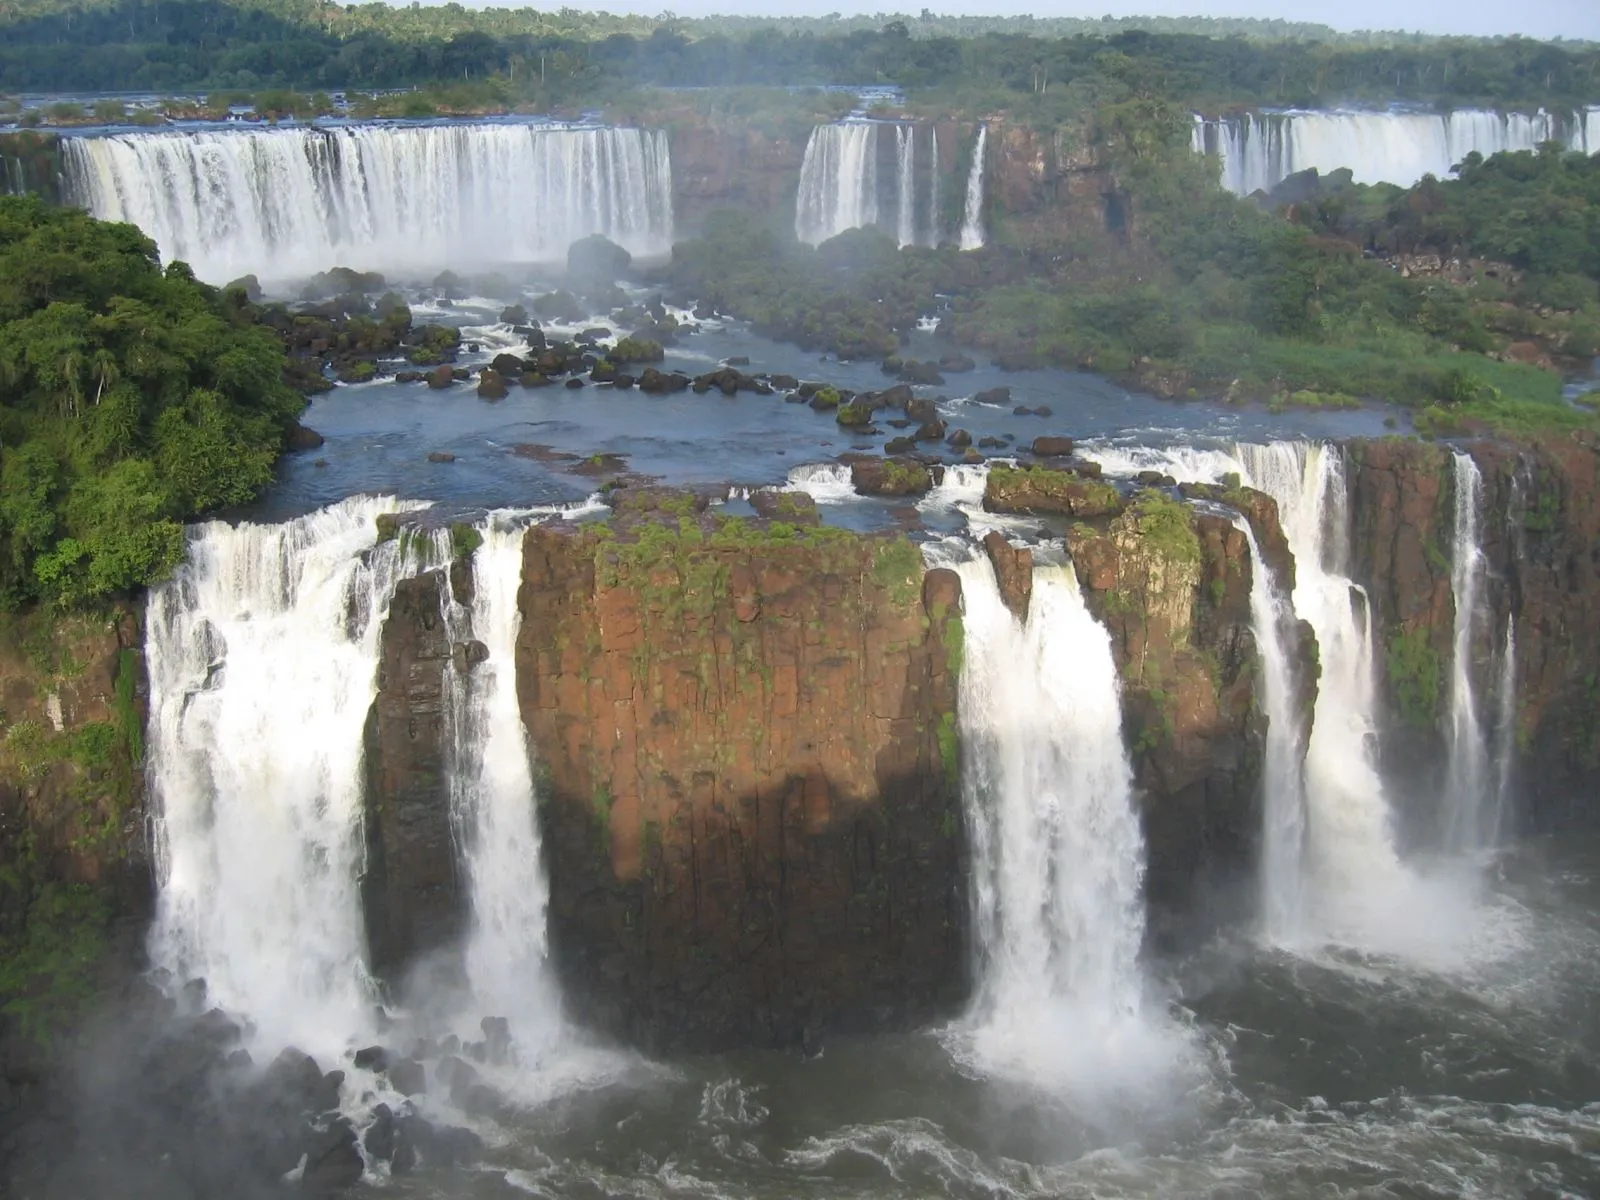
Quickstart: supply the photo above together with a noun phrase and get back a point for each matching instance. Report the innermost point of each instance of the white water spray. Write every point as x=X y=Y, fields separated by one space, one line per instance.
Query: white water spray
x=1283 y=882
x=286 y=203
x=972 y=236
x=262 y=654
x=1470 y=799
x=1058 y=854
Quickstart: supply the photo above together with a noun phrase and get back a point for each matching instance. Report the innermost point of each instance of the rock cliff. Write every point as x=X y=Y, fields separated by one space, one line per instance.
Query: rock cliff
x=1172 y=586
x=410 y=889
x=746 y=735
x=1540 y=520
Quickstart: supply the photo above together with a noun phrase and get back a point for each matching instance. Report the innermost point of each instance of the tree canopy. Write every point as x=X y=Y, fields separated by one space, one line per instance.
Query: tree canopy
x=131 y=399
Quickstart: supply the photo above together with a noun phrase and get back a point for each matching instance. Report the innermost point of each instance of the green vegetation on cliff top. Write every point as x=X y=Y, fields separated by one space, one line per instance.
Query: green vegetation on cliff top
x=131 y=399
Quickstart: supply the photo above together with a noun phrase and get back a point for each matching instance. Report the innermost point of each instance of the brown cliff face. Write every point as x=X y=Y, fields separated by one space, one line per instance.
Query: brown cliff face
x=745 y=736
x=738 y=167
x=410 y=891
x=1540 y=528
x=1172 y=587
x=1049 y=183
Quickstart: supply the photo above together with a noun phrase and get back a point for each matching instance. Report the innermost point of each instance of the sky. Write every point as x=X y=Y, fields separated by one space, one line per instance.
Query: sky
x=1531 y=18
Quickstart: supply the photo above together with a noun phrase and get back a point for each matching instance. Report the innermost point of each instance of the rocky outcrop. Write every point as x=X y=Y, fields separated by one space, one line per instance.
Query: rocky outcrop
x=1039 y=491
x=749 y=796
x=410 y=890
x=1172 y=587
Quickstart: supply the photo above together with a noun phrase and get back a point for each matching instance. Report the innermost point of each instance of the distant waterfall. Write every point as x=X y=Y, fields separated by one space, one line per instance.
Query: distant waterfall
x=1283 y=867
x=1259 y=150
x=838 y=181
x=287 y=203
x=1058 y=854
x=906 y=183
x=854 y=175
x=972 y=219
x=1471 y=823
x=262 y=654
x=13 y=179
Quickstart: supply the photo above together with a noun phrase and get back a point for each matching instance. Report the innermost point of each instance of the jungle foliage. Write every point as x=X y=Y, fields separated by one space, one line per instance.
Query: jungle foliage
x=131 y=399
x=566 y=56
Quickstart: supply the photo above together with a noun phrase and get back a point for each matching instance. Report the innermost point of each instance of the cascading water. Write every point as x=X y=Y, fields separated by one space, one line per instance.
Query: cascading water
x=1283 y=848
x=492 y=797
x=936 y=196
x=906 y=183
x=845 y=183
x=1471 y=821
x=262 y=655
x=1058 y=854
x=287 y=203
x=838 y=181
x=1349 y=838
x=972 y=236
x=1259 y=150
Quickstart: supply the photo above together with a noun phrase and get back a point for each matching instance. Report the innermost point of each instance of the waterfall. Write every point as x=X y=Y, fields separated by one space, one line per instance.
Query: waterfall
x=1283 y=883
x=1058 y=854
x=1470 y=801
x=972 y=219
x=1259 y=150
x=492 y=797
x=838 y=181
x=936 y=187
x=1505 y=730
x=289 y=202
x=1349 y=837
x=262 y=655
x=906 y=183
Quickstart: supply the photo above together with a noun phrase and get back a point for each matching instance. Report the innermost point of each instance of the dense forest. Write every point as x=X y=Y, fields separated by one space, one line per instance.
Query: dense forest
x=572 y=57
x=134 y=399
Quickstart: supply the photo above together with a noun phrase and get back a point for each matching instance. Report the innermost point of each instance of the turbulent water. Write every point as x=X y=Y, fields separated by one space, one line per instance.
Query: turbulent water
x=261 y=656
x=290 y=202
x=1259 y=150
x=860 y=173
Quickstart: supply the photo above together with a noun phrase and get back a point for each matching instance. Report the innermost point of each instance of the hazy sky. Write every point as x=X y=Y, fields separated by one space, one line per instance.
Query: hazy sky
x=1532 y=18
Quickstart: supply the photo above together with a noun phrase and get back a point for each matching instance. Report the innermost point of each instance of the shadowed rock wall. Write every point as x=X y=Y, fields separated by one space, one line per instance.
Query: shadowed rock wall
x=746 y=742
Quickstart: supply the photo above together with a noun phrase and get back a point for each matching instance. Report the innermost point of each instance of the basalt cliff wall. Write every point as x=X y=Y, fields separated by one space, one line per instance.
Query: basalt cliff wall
x=1540 y=520
x=749 y=802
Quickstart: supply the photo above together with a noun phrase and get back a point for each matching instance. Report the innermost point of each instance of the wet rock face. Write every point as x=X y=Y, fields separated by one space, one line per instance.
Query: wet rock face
x=410 y=890
x=1172 y=587
x=1540 y=528
x=745 y=737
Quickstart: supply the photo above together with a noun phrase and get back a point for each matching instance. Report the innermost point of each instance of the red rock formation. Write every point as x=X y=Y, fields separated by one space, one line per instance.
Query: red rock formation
x=750 y=803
